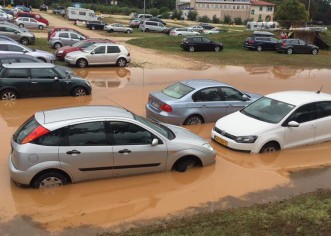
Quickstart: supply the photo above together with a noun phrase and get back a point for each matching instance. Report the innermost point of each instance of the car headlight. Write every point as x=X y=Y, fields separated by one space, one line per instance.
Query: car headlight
x=68 y=57
x=246 y=139
x=207 y=145
x=61 y=51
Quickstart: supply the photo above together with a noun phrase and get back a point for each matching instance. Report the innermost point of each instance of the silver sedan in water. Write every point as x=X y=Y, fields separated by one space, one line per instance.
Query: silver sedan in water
x=60 y=146
x=196 y=101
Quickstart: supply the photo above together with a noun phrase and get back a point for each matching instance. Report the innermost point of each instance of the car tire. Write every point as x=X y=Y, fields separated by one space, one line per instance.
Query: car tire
x=111 y=31
x=40 y=27
x=184 y=164
x=24 y=41
x=194 y=120
x=21 y=25
x=8 y=94
x=121 y=62
x=128 y=31
x=289 y=51
x=259 y=48
x=270 y=147
x=191 y=49
x=57 y=45
x=93 y=27
x=79 y=92
x=50 y=179
x=179 y=34
x=314 y=51
x=82 y=63
x=147 y=30
x=217 y=48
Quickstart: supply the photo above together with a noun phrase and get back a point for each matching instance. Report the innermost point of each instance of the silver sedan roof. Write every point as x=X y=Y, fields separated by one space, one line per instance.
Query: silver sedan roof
x=202 y=83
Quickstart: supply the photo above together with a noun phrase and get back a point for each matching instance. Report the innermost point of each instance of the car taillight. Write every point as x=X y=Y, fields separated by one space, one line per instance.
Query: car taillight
x=284 y=44
x=128 y=54
x=36 y=133
x=166 y=108
x=53 y=34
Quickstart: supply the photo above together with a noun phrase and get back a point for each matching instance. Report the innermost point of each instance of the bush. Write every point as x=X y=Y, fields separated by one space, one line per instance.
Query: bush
x=216 y=20
x=238 y=20
x=163 y=10
x=165 y=15
x=227 y=19
x=192 y=15
x=204 y=19
x=154 y=11
x=177 y=14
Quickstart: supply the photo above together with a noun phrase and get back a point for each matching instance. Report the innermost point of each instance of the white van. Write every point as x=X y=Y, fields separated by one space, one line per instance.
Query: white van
x=82 y=14
x=263 y=25
x=155 y=26
x=141 y=16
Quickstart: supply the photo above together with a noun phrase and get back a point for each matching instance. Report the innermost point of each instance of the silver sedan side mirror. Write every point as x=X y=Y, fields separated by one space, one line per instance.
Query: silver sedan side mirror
x=293 y=124
x=155 y=142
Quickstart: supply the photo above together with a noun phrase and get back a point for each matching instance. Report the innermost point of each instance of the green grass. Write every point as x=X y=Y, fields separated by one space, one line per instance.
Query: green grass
x=308 y=214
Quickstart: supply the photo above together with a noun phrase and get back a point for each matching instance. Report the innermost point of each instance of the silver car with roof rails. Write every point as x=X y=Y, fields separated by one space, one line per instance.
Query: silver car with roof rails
x=67 y=145
x=196 y=101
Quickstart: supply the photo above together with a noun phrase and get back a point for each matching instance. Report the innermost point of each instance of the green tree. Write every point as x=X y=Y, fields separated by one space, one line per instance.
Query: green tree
x=227 y=19
x=291 y=12
x=216 y=20
x=238 y=20
x=204 y=19
x=192 y=15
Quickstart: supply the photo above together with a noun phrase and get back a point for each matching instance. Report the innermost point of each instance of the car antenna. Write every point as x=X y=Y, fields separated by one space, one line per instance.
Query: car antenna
x=117 y=104
x=319 y=91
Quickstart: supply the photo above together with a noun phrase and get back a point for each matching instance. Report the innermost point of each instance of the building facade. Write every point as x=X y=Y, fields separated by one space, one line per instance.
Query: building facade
x=262 y=11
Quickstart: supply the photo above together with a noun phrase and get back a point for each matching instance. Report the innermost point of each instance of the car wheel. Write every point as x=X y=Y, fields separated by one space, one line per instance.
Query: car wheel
x=191 y=49
x=314 y=51
x=21 y=25
x=270 y=147
x=193 y=120
x=40 y=27
x=79 y=91
x=82 y=63
x=57 y=45
x=8 y=94
x=217 y=48
x=42 y=59
x=259 y=48
x=179 y=34
x=128 y=31
x=146 y=30
x=121 y=62
x=289 y=51
x=24 y=41
x=184 y=164
x=50 y=179
x=111 y=31
x=93 y=28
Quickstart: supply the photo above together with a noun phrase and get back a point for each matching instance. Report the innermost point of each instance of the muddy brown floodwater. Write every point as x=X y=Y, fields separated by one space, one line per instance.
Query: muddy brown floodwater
x=236 y=179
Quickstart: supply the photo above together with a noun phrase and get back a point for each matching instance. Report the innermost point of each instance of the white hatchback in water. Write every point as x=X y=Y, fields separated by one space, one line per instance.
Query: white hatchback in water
x=277 y=121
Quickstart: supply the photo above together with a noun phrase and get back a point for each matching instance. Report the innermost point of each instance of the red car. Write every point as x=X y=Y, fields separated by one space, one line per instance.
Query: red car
x=63 y=51
x=55 y=29
x=33 y=15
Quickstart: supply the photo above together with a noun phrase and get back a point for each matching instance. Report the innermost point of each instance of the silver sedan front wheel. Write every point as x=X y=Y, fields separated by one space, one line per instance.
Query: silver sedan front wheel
x=193 y=120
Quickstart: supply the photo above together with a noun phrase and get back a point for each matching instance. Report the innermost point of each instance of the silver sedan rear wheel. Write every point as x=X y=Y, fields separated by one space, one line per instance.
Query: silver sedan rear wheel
x=50 y=179
x=121 y=62
x=193 y=120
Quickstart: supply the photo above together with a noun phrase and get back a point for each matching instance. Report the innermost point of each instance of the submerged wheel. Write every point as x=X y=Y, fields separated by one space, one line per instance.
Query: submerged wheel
x=269 y=147
x=121 y=62
x=50 y=179
x=82 y=63
x=193 y=120
x=184 y=164
x=79 y=91
x=8 y=94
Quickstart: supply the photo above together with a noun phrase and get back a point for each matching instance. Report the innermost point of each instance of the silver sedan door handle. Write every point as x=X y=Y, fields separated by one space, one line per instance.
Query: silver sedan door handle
x=34 y=82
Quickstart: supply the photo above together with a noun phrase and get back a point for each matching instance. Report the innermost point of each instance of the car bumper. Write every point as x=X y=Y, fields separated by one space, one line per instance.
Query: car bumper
x=70 y=60
x=60 y=56
x=18 y=176
x=230 y=143
x=163 y=116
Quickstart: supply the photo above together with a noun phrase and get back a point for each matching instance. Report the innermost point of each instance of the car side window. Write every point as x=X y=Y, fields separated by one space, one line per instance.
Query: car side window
x=197 y=40
x=43 y=73
x=303 y=114
x=100 y=50
x=2 y=29
x=231 y=94
x=3 y=47
x=85 y=45
x=14 y=48
x=87 y=134
x=125 y=133
x=16 y=73
x=74 y=36
x=25 y=19
x=205 y=40
x=113 y=49
x=8 y=29
x=323 y=109
x=64 y=35
x=207 y=95
x=49 y=139
x=33 y=20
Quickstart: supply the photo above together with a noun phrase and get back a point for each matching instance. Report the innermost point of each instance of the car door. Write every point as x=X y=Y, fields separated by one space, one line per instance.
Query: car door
x=97 y=56
x=133 y=149
x=234 y=99
x=74 y=38
x=305 y=133
x=112 y=54
x=33 y=23
x=323 y=121
x=304 y=47
x=86 y=151
x=65 y=38
x=210 y=103
x=10 y=32
x=197 y=43
x=19 y=79
x=207 y=44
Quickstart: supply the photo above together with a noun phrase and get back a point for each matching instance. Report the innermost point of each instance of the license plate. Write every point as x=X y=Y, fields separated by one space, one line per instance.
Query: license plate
x=154 y=104
x=221 y=141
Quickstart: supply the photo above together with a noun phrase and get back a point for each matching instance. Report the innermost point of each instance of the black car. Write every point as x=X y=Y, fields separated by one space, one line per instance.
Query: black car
x=43 y=7
x=207 y=26
x=260 y=43
x=200 y=43
x=96 y=24
x=290 y=46
x=59 y=10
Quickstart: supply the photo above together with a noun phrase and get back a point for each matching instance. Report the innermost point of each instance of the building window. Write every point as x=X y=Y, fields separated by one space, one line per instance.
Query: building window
x=261 y=8
x=260 y=17
x=253 y=12
x=269 y=8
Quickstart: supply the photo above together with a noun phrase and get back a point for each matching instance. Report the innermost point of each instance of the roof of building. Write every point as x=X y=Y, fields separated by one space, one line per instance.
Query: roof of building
x=261 y=3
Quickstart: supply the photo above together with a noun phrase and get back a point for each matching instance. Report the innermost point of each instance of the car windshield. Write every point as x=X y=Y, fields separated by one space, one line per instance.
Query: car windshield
x=268 y=110
x=61 y=72
x=77 y=44
x=159 y=128
x=177 y=90
x=90 y=48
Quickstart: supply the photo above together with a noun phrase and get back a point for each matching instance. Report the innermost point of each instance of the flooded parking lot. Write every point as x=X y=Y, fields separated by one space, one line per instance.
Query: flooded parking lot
x=236 y=179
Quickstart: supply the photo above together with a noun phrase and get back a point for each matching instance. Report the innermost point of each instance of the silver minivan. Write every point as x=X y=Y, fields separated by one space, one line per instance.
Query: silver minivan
x=67 y=145
x=154 y=26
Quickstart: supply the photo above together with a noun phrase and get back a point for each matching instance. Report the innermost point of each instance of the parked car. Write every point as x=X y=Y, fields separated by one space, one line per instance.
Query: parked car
x=290 y=46
x=23 y=8
x=260 y=43
x=277 y=121
x=43 y=7
x=59 y=10
x=29 y=23
x=152 y=26
x=96 y=24
x=214 y=31
x=118 y=28
x=200 y=43
x=182 y=32
x=134 y=23
x=61 y=52
x=206 y=26
x=8 y=11
x=18 y=80
x=64 y=38
x=35 y=16
x=20 y=35
x=100 y=54
x=156 y=19
x=196 y=28
x=24 y=58
x=52 y=31
x=5 y=16
x=124 y=144
x=168 y=30
x=196 y=101
x=15 y=48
